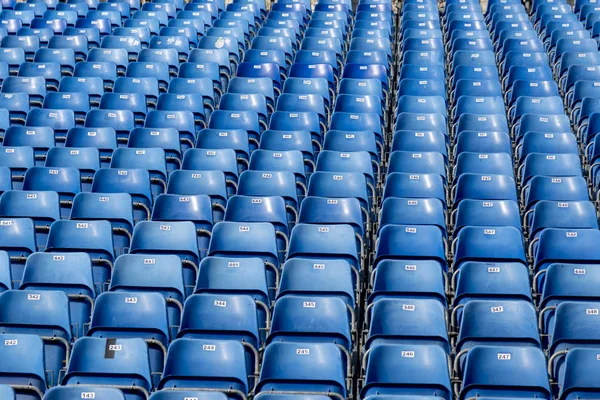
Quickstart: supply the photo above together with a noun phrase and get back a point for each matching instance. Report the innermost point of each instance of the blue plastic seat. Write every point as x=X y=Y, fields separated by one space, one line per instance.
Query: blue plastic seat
x=310 y=277
x=306 y=121
x=209 y=316
x=78 y=43
x=522 y=372
x=415 y=186
x=179 y=238
x=23 y=365
x=195 y=208
x=86 y=160
x=271 y=183
x=214 y=55
x=89 y=365
x=76 y=392
x=117 y=208
x=122 y=314
x=579 y=364
x=399 y=211
x=388 y=373
x=63 y=180
x=305 y=367
x=497 y=244
x=131 y=44
x=142 y=273
x=117 y=56
x=484 y=187
x=554 y=188
x=5 y=179
x=151 y=159
x=211 y=183
x=542 y=142
x=183 y=121
x=341 y=211
x=29 y=44
x=94 y=238
x=104 y=139
x=558 y=165
x=407 y=321
x=219 y=366
x=35 y=87
x=136 y=182
x=491 y=281
x=224 y=160
x=49 y=318
x=106 y=70
x=42 y=207
x=70 y=273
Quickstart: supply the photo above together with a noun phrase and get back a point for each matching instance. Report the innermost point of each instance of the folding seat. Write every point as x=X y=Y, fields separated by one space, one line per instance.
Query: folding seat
x=114 y=16
x=150 y=159
x=18 y=241
x=283 y=371
x=164 y=138
x=94 y=238
x=406 y=321
x=484 y=187
x=104 y=139
x=76 y=392
x=44 y=34
x=184 y=102
x=418 y=141
x=486 y=213
x=307 y=241
x=131 y=44
x=567 y=215
x=479 y=73
x=404 y=212
x=179 y=238
x=29 y=44
x=37 y=8
x=180 y=43
x=64 y=56
x=210 y=7
x=153 y=25
x=515 y=325
x=149 y=87
x=557 y=165
x=522 y=370
x=80 y=8
x=248 y=240
x=412 y=375
x=61 y=120
x=135 y=102
x=211 y=183
x=417 y=104
x=26 y=16
x=269 y=209
x=142 y=315
x=500 y=244
x=135 y=182
x=86 y=160
x=23 y=366
x=335 y=161
x=535 y=105
x=16 y=106
x=420 y=122
x=236 y=139
x=546 y=143
x=263 y=70
x=415 y=186
x=218 y=56
x=49 y=319
x=183 y=121
x=498 y=281
x=478 y=163
x=116 y=208
x=35 y=87
x=18 y=160
x=196 y=23
x=352 y=142
x=102 y=24
x=141 y=33
x=168 y=55
x=77 y=102
x=222 y=368
x=420 y=87
x=50 y=71
x=122 y=121
x=255 y=103
x=319 y=278
x=64 y=181
x=569 y=59
x=169 y=8
x=90 y=365
x=315 y=71
x=188 y=32
x=42 y=207
x=117 y=56
x=106 y=71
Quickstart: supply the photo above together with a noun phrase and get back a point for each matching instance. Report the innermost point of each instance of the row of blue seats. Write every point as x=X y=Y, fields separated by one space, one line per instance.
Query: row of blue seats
x=324 y=261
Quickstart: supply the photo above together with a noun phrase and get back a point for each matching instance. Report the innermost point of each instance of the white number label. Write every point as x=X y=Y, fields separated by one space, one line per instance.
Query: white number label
x=503 y=356
x=408 y=354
